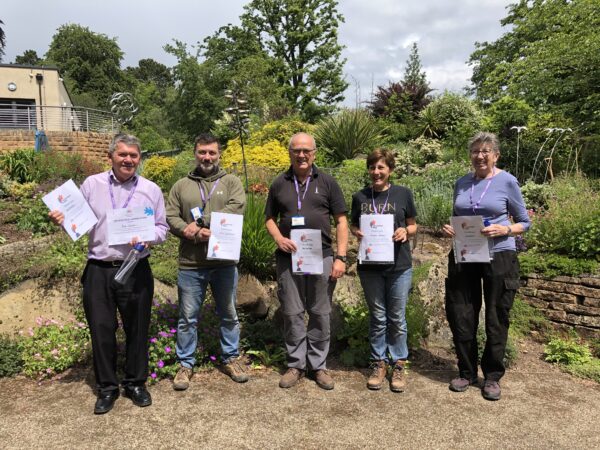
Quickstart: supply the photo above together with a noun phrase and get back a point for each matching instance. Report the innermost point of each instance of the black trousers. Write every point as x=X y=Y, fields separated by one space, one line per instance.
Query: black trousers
x=463 y=303
x=101 y=301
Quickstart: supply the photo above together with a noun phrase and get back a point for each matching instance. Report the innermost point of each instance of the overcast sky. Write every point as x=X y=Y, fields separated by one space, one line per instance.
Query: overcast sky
x=377 y=34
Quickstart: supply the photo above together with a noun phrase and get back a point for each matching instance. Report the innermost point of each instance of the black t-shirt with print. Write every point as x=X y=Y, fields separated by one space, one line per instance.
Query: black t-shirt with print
x=401 y=204
x=323 y=199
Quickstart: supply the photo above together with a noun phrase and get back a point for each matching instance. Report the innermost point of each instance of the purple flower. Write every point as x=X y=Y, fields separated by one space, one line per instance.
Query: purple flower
x=213 y=358
x=154 y=340
x=160 y=364
x=173 y=330
x=163 y=334
x=153 y=375
x=168 y=349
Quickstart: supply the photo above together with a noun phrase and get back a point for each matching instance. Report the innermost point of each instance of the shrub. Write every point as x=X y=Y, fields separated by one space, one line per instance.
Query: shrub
x=11 y=359
x=159 y=169
x=56 y=167
x=571 y=224
x=34 y=217
x=20 y=191
x=524 y=318
x=280 y=131
x=258 y=248
x=553 y=265
x=425 y=150
x=352 y=176
x=52 y=348
x=163 y=338
x=348 y=134
x=536 y=196
x=271 y=154
x=567 y=351
x=18 y=164
x=434 y=206
x=164 y=260
x=262 y=340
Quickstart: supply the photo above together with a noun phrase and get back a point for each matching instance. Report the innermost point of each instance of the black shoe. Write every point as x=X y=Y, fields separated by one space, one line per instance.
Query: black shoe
x=105 y=402
x=139 y=395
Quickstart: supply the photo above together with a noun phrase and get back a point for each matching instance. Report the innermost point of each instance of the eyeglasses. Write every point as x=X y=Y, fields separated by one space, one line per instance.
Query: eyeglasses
x=485 y=152
x=299 y=151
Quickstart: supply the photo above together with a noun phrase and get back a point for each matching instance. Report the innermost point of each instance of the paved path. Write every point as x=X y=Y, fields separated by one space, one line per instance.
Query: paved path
x=540 y=408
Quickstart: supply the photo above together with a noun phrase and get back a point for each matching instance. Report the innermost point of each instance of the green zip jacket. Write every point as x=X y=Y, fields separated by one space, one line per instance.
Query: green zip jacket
x=228 y=197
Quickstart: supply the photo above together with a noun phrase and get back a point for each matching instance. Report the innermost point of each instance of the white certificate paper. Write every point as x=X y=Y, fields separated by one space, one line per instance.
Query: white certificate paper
x=79 y=217
x=470 y=245
x=225 y=236
x=377 y=245
x=126 y=223
x=308 y=259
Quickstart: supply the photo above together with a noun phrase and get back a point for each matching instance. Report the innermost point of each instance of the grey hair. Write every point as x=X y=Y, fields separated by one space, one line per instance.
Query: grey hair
x=302 y=134
x=127 y=139
x=483 y=137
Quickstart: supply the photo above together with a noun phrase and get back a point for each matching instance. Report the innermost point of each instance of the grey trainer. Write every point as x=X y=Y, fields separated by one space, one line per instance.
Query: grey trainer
x=491 y=390
x=182 y=379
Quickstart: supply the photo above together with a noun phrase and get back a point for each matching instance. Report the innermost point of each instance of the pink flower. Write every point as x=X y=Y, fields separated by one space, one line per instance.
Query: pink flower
x=154 y=340
x=168 y=349
x=160 y=364
x=153 y=375
x=213 y=358
x=173 y=330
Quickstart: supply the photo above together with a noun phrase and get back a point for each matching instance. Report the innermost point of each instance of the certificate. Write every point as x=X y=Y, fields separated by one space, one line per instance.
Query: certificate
x=225 y=236
x=79 y=217
x=376 y=245
x=126 y=223
x=308 y=258
x=469 y=244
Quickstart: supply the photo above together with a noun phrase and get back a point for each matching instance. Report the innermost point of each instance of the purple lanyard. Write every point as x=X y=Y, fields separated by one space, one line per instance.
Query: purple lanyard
x=487 y=186
x=386 y=200
x=112 y=194
x=204 y=199
x=298 y=189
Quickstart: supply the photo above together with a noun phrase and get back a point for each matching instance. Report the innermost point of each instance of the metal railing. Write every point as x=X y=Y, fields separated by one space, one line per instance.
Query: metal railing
x=56 y=118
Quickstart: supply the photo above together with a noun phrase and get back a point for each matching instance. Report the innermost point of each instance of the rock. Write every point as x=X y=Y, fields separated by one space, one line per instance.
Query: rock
x=164 y=291
x=253 y=297
x=22 y=305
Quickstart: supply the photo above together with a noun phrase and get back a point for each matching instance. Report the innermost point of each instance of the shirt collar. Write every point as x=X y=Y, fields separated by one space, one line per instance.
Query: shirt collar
x=289 y=174
x=115 y=180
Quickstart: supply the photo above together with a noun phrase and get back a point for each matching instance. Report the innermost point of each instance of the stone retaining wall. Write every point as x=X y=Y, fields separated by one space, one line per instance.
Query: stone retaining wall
x=570 y=301
x=91 y=145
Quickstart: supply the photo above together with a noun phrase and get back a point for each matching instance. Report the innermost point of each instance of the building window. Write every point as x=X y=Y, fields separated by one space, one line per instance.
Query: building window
x=19 y=113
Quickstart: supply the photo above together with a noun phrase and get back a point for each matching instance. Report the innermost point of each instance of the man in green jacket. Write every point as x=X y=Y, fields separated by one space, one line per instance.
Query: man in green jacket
x=192 y=199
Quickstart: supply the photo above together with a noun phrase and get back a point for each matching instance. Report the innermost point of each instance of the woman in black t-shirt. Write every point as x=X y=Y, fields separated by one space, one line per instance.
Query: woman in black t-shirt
x=385 y=277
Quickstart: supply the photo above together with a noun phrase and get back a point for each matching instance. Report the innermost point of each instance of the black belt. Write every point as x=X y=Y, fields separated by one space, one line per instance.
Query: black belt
x=116 y=263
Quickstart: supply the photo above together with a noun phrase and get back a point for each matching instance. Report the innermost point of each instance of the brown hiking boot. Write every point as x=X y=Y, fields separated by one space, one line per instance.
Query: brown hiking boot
x=236 y=370
x=290 y=377
x=182 y=379
x=378 y=373
x=398 y=380
x=324 y=380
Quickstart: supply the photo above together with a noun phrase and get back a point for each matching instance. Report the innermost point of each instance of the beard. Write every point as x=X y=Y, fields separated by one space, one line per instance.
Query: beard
x=206 y=169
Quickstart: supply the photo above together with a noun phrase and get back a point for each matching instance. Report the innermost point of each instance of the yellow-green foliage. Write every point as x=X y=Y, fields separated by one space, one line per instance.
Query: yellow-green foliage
x=272 y=154
x=22 y=190
x=280 y=131
x=159 y=169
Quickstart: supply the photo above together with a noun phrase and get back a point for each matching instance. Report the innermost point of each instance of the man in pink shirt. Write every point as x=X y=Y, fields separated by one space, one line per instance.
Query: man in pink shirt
x=120 y=187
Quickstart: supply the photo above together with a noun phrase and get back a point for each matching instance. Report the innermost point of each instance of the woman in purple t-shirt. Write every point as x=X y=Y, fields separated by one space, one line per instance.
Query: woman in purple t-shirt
x=495 y=195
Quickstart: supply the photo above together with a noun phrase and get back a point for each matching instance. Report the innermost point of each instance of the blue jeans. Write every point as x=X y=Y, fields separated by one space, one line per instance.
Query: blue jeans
x=386 y=295
x=191 y=286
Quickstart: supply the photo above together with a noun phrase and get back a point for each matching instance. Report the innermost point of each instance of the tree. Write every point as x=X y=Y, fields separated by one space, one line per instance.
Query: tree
x=548 y=58
x=198 y=99
x=29 y=57
x=238 y=54
x=90 y=62
x=403 y=101
x=301 y=37
x=414 y=75
x=2 y=41
x=150 y=71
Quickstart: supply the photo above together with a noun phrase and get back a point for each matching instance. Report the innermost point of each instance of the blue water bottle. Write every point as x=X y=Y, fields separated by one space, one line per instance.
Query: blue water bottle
x=129 y=264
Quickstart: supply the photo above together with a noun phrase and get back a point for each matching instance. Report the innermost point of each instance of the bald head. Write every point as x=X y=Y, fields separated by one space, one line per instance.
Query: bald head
x=300 y=140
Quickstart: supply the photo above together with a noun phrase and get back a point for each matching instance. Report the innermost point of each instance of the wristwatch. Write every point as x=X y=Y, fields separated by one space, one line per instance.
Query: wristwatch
x=510 y=232
x=343 y=259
